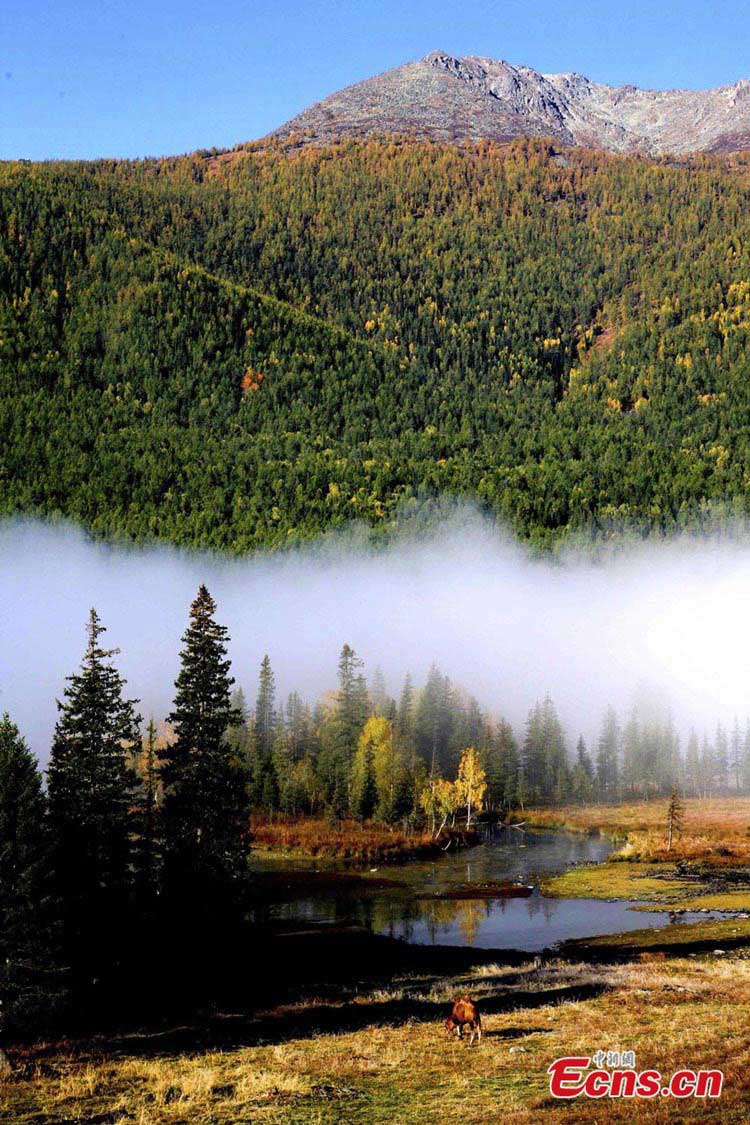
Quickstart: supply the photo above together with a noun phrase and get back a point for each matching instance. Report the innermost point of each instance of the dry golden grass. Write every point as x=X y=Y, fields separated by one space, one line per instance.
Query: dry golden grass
x=672 y=1013
x=307 y=836
x=715 y=831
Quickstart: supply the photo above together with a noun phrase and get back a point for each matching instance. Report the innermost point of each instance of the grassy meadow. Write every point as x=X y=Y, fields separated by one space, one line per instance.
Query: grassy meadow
x=383 y=1055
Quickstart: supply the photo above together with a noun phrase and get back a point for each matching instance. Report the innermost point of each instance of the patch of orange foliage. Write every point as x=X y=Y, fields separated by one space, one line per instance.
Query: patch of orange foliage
x=251 y=380
x=311 y=836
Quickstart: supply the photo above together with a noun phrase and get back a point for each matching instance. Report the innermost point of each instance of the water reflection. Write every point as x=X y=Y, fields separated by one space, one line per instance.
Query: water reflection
x=415 y=912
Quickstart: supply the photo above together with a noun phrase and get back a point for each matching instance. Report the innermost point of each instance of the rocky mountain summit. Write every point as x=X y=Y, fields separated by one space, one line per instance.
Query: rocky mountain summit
x=454 y=99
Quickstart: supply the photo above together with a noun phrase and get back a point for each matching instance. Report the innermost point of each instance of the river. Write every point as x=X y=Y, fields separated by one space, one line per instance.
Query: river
x=406 y=901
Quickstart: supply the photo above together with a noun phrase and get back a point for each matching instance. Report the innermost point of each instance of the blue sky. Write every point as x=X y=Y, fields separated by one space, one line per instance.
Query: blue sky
x=149 y=77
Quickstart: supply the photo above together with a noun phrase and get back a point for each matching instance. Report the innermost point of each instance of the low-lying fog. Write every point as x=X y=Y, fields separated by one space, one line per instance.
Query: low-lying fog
x=508 y=627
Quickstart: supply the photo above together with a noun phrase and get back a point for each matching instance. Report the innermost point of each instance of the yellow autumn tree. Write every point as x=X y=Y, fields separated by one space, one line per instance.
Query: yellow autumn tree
x=387 y=762
x=448 y=801
x=375 y=770
x=471 y=783
x=428 y=804
x=440 y=800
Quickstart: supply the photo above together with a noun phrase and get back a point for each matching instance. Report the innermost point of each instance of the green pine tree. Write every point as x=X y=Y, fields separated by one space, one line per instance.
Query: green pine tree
x=264 y=781
x=607 y=757
x=239 y=736
x=582 y=777
x=205 y=815
x=265 y=709
x=405 y=715
x=92 y=791
x=675 y=818
x=508 y=766
x=27 y=944
x=364 y=792
x=532 y=773
x=721 y=760
x=381 y=701
x=147 y=845
x=693 y=766
x=299 y=727
x=341 y=732
x=434 y=722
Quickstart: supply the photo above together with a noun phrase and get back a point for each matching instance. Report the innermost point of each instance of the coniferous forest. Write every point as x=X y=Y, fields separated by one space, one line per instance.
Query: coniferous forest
x=244 y=349
x=130 y=872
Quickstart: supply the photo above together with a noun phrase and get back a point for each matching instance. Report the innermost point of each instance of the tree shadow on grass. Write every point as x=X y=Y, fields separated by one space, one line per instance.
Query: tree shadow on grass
x=310 y=989
x=516 y=1032
x=307 y=1021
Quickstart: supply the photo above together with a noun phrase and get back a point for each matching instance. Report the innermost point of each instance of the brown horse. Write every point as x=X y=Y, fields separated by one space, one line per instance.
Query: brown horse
x=465 y=1013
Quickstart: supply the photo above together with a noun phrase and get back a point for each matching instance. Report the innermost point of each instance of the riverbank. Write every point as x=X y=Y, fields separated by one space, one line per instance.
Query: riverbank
x=378 y=1053
x=673 y=886
x=708 y=867
x=350 y=840
x=715 y=831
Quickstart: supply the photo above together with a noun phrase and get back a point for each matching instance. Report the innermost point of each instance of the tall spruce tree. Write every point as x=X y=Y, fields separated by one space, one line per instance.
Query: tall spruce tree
x=26 y=932
x=746 y=758
x=341 y=734
x=533 y=757
x=721 y=760
x=264 y=782
x=735 y=760
x=282 y=764
x=352 y=701
x=364 y=791
x=693 y=766
x=545 y=761
x=632 y=756
x=380 y=700
x=509 y=765
x=148 y=845
x=239 y=737
x=582 y=779
x=707 y=768
x=404 y=724
x=299 y=727
x=608 y=757
x=434 y=723
x=265 y=709
x=675 y=818
x=92 y=790
x=556 y=779
x=204 y=811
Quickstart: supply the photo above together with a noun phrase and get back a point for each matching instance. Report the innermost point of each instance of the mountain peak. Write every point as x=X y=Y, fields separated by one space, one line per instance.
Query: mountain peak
x=454 y=98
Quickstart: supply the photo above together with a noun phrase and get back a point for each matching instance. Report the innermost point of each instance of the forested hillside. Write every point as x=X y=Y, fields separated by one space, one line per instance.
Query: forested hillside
x=245 y=349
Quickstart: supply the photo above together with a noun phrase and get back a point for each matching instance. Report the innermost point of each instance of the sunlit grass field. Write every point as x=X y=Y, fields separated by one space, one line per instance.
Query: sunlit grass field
x=373 y=1061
